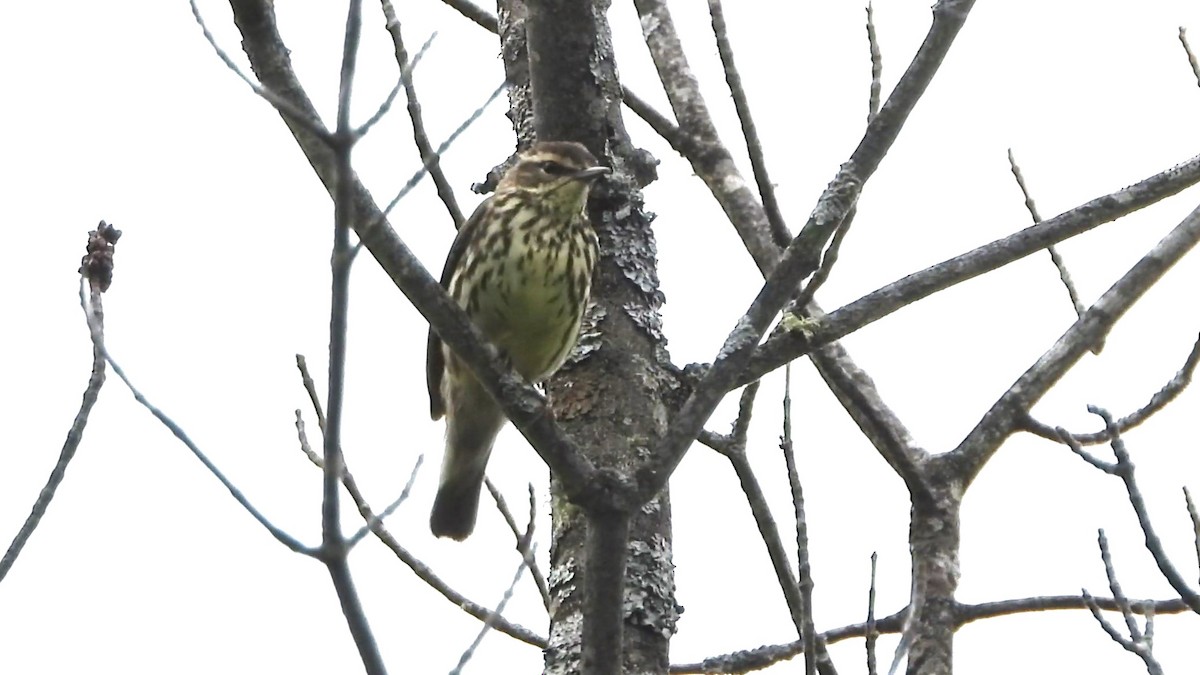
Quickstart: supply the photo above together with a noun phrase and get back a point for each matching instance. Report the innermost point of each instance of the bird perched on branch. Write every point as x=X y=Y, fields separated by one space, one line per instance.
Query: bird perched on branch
x=521 y=268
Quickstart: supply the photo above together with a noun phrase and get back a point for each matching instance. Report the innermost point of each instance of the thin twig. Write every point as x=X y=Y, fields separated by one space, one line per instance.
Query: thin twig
x=759 y=658
x=305 y=447
x=872 y=632
x=802 y=564
x=93 y=312
x=1114 y=586
x=391 y=508
x=698 y=140
x=733 y=447
x=829 y=258
x=758 y=164
x=424 y=573
x=310 y=124
x=741 y=425
x=1137 y=643
x=311 y=388
x=1010 y=410
x=791 y=345
x=282 y=537
x=420 y=136
x=524 y=406
x=1191 y=56
x=1107 y=467
x=1055 y=257
x=524 y=540
x=1169 y=391
x=334 y=547
x=433 y=159
x=802 y=256
x=876 y=65
x=475 y=13
x=491 y=620
x=1126 y=470
x=406 y=69
x=348 y=481
x=1195 y=517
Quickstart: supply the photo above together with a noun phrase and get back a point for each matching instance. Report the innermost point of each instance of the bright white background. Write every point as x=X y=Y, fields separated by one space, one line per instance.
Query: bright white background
x=121 y=111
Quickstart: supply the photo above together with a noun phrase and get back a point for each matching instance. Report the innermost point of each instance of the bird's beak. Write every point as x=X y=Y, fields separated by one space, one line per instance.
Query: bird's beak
x=591 y=173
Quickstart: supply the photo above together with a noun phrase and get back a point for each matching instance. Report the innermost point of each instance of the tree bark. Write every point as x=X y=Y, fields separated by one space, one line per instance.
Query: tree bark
x=611 y=397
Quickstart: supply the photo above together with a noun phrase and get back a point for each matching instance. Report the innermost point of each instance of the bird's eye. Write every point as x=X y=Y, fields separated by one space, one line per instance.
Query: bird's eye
x=555 y=169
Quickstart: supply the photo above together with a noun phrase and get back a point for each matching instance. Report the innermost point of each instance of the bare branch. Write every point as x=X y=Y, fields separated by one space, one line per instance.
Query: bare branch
x=434 y=159
x=311 y=388
x=475 y=13
x=305 y=447
x=769 y=532
x=1107 y=467
x=872 y=633
x=351 y=485
x=406 y=68
x=334 y=545
x=829 y=258
x=790 y=345
x=306 y=119
x=1137 y=643
x=524 y=540
x=376 y=526
x=491 y=620
x=389 y=509
x=699 y=141
x=733 y=447
x=524 y=405
x=1192 y=513
x=763 y=657
x=1055 y=257
x=741 y=425
x=1159 y=401
x=1191 y=56
x=1125 y=469
x=420 y=137
x=802 y=256
x=859 y=396
x=423 y=572
x=282 y=537
x=876 y=65
x=660 y=123
x=1115 y=587
x=96 y=275
x=802 y=564
x=988 y=610
x=758 y=164
x=1007 y=414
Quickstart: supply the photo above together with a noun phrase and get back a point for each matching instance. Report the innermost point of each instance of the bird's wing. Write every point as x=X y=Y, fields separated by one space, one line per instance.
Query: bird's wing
x=435 y=360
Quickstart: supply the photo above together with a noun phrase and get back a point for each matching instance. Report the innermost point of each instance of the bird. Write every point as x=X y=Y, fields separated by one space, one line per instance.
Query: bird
x=521 y=268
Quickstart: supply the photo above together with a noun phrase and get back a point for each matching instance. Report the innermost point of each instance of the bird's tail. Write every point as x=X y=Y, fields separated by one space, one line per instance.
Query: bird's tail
x=470 y=433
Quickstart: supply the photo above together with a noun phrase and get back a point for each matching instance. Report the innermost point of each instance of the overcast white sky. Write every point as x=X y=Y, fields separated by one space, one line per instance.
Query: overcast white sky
x=121 y=111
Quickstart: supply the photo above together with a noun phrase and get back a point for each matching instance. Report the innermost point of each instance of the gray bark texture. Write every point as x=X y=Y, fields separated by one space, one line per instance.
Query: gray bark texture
x=611 y=399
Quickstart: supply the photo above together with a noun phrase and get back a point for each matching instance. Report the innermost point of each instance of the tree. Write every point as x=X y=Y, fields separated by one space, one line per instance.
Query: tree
x=625 y=414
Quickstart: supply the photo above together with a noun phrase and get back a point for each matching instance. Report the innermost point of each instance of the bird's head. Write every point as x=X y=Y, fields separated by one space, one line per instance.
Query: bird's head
x=558 y=173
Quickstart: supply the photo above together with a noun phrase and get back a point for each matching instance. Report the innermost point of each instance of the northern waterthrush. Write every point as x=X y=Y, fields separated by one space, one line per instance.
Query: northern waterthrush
x=521 y=268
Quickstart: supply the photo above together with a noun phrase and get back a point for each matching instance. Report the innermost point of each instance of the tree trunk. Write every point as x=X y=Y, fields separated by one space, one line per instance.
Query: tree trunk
x=611 y=396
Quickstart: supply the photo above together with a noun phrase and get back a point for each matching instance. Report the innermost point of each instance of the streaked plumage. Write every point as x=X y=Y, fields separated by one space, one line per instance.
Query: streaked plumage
x=521 y=267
